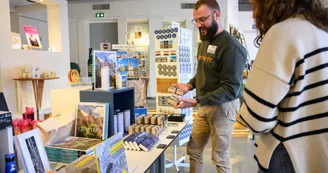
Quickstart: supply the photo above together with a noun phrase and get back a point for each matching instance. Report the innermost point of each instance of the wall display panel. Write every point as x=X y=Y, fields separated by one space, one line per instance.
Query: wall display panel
x=173 y=58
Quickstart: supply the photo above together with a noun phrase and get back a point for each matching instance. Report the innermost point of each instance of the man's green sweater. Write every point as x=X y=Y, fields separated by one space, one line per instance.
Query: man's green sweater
x=219 y=77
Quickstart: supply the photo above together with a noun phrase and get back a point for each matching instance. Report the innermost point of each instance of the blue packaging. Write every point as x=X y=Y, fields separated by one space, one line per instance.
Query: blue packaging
x=10 y=163
x=140 y=111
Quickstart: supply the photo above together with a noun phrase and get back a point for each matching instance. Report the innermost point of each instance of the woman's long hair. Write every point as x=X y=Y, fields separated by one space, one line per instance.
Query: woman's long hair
x=271 y=12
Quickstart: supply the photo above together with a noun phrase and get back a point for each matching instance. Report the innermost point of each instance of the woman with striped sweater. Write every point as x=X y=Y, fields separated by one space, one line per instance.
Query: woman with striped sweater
x=286 y=96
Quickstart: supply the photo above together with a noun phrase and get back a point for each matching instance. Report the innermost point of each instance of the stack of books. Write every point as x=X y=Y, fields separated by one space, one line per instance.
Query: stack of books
x=140 y=141
x=71 y=148
x=89 y=130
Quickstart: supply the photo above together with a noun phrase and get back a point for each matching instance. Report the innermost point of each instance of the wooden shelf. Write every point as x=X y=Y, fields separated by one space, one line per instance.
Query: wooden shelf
x=34 y=79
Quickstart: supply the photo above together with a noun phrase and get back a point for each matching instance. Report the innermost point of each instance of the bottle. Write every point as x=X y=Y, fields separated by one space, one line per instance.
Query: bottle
x=90 y=63
x=10 y=163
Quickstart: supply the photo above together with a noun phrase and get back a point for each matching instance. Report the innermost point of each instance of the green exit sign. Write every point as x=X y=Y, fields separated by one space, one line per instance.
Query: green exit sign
x=98 y=15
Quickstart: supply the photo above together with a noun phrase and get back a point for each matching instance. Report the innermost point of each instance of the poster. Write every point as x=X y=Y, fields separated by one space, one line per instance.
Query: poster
x=102 y=59
x=138 y=32
x=32 y=36
x=128 y=67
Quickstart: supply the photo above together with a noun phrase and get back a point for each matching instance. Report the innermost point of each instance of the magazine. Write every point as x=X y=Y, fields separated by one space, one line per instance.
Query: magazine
x=32 y=36
x=110 y=155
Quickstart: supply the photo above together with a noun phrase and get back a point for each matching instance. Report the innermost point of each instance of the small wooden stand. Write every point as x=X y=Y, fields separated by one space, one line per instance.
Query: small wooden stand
x=38 y=85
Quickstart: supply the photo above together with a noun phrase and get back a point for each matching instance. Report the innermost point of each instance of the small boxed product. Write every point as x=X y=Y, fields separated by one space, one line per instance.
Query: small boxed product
x=140 y=120
x=173 y=100
x=147 y=119
x=177 y=117
x=148 y=128
x=176 y=91
x=154 y=119
x=137 y=128
x=131 y=129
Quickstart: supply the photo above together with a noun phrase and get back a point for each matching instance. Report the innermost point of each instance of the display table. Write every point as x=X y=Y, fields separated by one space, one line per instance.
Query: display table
x=38 y=85
x=154 y=160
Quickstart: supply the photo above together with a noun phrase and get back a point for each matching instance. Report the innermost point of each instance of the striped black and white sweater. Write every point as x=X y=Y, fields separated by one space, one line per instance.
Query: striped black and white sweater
x=286 y=96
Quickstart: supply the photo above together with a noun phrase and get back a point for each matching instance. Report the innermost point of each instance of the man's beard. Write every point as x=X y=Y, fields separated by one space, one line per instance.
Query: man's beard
x=211 y=31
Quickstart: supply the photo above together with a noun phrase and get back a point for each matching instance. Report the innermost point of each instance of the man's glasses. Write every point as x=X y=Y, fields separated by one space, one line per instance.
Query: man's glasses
x=201 y=20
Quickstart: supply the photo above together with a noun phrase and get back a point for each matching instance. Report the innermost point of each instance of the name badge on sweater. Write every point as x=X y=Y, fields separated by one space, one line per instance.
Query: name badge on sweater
x=211 y=49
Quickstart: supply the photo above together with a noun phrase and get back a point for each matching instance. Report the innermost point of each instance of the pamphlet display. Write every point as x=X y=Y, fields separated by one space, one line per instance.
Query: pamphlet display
x=32 y=36
x=173 y=56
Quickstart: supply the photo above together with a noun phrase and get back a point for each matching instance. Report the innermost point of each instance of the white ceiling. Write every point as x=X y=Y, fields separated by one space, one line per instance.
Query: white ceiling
x=18 y=3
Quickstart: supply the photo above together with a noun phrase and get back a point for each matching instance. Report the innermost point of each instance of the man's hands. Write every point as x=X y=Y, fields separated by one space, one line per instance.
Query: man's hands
x=186 y=103
x=184 y=87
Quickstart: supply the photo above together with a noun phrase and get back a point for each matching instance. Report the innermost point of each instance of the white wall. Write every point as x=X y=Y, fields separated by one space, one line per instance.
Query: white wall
x=245 y=23
x=11 y=60
x=156 y=11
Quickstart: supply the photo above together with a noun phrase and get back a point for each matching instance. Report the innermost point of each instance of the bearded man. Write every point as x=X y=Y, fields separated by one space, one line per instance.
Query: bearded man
x=218 y=84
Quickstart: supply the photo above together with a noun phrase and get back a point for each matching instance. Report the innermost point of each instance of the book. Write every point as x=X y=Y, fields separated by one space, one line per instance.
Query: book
x=149 y=142
x=103 y=59
x=71 y=148
x=128 y=139
x=32 y=36
x=110 y=155
x=31 y=152
x=92 y=120
x=138 y=140
x=84 y=164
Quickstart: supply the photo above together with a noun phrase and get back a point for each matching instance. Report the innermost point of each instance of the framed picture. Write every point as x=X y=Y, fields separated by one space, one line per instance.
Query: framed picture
x=31 y=152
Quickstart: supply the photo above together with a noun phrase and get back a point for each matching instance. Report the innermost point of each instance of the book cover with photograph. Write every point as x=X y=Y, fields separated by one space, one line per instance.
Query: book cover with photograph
x=32 y=36
x=110 y=155
x=92 y=120
x=103 y=59
x=128 y=67
x=31 y=152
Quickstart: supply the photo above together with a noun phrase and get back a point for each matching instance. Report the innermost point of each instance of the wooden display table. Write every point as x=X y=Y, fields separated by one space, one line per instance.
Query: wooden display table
x=38 y=85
